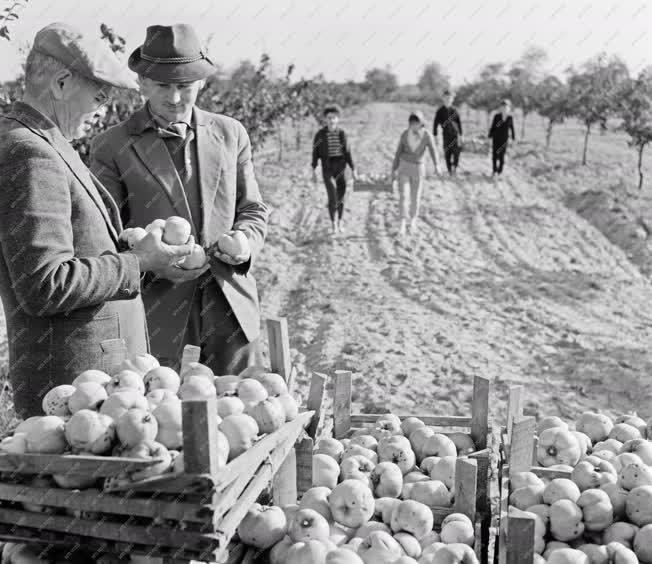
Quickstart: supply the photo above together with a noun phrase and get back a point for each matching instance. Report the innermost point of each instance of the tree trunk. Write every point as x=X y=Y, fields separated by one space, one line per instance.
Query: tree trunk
x=523 y=125
x=280 y=142
x=488 y=118
x=640 y=166
x=586 y=142
x=548 y=134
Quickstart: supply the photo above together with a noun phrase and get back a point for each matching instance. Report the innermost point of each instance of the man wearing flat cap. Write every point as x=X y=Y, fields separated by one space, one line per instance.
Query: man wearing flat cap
x=71 y=298
x=171 y=158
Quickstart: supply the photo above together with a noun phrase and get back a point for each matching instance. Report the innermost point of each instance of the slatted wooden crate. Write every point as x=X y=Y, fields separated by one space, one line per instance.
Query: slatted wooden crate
x=516 y=539
x=472 y=472
x=176 y=516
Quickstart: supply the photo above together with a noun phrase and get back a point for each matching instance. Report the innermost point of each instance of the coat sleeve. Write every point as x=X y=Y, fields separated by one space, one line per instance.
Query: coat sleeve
x=36 y=236
x=435 y=124
x=251 y=213
x=459 y=121
x=511 y=127
x=104 y=167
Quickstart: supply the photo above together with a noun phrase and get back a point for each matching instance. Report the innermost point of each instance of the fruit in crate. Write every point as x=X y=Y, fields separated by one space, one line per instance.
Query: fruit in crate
x=412 y=517
x=273 y=383
x=197 y=388
x=325 y=471
x=289 y=405
x=268 y=414
x=121 y=401
x=176 y=231
x=331 y=447
x=135 y=426
x=251 y=391
x=240 y=431
x=380 y=547
x=316 y=498
x=397 y=449
x=356 y=450
x=357 y=468
x=87 y=395
x=387 y=480
x=169 y=419
x=229 y=405
x=46 y=435
x=558 y=446
x=55 y=402
x=98 y=376
x=198 y=369
x=126 y=379
x=263 y=526
x=162 y=378
x=233 y=243
x=90 y=431
x=311 y=551
x=308 y=524
x=351 y=503
x=148 y=450
x=596 y=426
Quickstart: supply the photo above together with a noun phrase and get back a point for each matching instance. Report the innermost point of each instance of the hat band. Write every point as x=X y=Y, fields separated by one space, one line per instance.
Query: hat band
x=172 y=60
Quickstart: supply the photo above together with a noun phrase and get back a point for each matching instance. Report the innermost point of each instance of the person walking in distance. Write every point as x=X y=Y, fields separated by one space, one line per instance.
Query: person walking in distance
x=448 y=118
x=332 y=148
x=410 y=168
x=501 y=126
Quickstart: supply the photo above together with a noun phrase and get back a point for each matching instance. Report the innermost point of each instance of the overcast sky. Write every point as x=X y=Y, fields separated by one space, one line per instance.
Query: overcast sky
x=344 y=38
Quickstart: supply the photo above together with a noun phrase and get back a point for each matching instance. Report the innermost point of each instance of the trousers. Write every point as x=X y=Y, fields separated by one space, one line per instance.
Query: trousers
x=213 y=327
x=410 y=186
x=333 y=173
x=498 y=157
x=451 y=154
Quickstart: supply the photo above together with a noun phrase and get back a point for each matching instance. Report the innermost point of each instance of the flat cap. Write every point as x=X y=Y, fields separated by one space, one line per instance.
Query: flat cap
x=84 y=54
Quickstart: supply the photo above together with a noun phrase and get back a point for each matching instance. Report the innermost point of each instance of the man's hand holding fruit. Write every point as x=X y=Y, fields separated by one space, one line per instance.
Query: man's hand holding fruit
x=232 y=248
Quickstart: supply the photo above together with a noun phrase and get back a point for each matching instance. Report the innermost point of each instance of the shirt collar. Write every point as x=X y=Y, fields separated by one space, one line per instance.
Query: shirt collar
x=158 y=121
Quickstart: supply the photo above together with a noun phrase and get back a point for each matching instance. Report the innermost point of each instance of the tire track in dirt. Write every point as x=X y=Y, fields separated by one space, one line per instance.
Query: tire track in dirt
x=501 y=280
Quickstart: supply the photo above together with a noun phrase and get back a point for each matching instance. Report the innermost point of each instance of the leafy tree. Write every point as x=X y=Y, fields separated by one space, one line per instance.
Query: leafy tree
x=635 y=108
x=552 y=101
x=433 y=81
x=489 y=90
x=524 y=76
x=592 y=92
x=380 y=83
x=8 y=15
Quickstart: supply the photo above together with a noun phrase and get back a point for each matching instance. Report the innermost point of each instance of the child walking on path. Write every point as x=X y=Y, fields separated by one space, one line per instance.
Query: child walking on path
x=501 y=126
x=332 y=148
x=410 y=168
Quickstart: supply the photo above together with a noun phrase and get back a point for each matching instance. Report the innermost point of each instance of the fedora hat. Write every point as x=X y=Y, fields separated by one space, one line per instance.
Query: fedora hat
x=171 y=54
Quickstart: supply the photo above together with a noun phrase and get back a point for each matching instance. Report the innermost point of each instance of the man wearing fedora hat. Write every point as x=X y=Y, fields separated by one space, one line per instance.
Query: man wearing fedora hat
x=71 y=298
x=171 y=158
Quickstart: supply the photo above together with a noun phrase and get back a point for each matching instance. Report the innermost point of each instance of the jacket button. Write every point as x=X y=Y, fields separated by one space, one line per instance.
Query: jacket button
x=126 y=291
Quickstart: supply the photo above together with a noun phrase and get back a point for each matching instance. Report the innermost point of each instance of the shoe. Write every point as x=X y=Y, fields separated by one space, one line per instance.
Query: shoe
x=340 y=227
x=333 y=228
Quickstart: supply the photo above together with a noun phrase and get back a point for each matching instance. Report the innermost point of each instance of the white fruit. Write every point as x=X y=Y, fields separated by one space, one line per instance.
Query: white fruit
x=55 y=402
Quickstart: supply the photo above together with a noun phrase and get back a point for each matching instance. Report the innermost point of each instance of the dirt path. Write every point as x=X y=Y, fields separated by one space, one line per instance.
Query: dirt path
x=500 y=280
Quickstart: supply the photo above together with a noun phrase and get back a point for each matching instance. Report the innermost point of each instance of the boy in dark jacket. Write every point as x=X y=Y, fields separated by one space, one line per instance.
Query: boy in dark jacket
x=449 y=119
x=332 y=148
x=501 y=126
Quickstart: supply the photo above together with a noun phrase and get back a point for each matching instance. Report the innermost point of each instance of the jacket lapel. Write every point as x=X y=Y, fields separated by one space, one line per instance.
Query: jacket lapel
x=210 y=160
x=41 y=126
x=155 y=156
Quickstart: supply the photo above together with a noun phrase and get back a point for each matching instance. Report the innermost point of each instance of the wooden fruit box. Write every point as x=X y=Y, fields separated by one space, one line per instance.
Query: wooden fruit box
x=472 y=472
x=515 y=543
x=176 y=516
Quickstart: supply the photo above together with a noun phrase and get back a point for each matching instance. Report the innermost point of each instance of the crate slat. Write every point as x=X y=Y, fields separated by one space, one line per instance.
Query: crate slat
x=279 y=348
x=342 y=403
x=430 y=420
x=79 y=465
x=97 y=501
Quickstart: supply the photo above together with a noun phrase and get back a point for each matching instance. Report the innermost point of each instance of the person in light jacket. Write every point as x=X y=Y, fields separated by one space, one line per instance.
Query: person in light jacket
x=331 y=147
x=409 y=168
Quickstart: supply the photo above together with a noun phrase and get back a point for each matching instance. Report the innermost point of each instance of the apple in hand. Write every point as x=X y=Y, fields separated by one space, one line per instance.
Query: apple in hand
x=132 y=235
x=234 y=243
x=176 y=231
x=196 y=258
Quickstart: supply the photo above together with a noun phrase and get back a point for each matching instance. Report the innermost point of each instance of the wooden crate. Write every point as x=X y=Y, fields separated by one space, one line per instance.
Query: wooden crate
x=176 y=516
x=472 y=472
x=515 y=543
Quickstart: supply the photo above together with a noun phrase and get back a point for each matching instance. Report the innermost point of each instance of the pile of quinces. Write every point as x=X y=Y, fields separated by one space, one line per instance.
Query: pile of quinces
x=372 y=501
x=136 y=413
x=601 y=512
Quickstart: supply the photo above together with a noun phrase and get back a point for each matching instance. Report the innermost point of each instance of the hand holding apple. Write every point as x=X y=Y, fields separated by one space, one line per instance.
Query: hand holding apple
x=233 y=247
